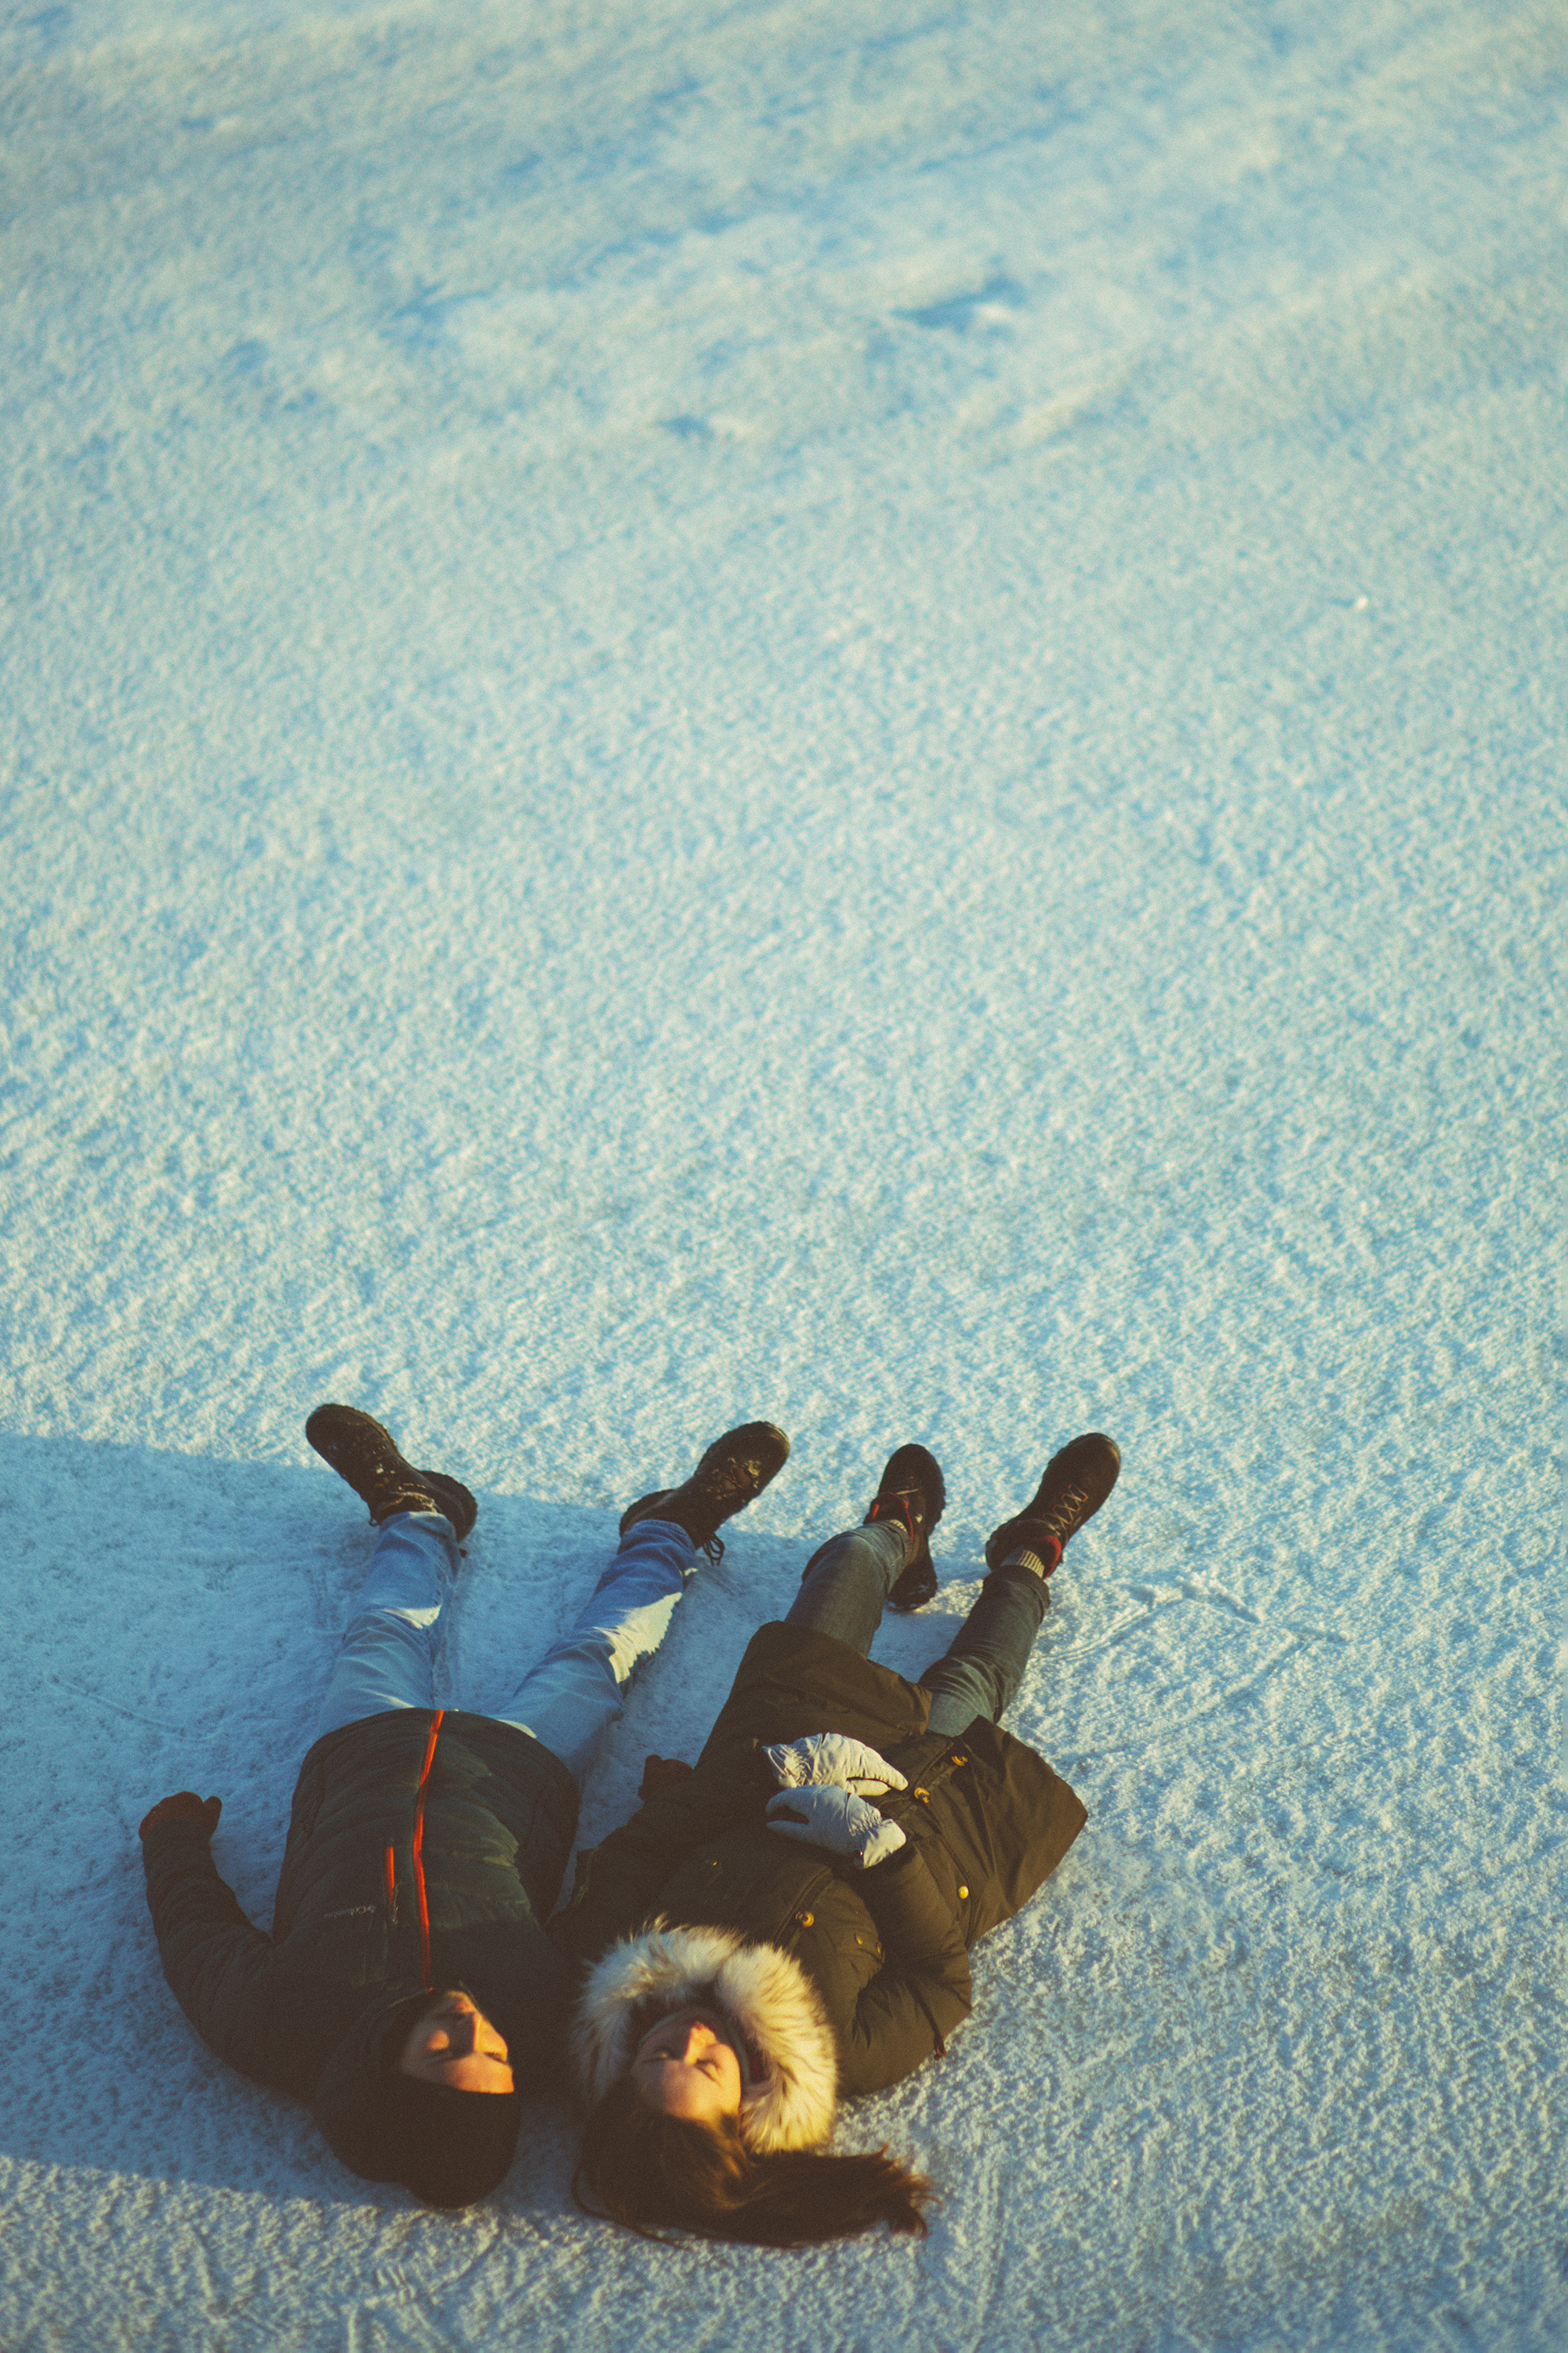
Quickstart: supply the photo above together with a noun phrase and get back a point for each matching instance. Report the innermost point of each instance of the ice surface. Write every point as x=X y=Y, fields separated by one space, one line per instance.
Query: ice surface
x=852 y=713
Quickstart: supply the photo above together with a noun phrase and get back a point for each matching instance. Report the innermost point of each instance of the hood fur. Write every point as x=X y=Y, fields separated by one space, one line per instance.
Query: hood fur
x=768 y=1995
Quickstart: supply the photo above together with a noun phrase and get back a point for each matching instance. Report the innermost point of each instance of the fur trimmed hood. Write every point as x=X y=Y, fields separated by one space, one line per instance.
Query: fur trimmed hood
x=769 y=1995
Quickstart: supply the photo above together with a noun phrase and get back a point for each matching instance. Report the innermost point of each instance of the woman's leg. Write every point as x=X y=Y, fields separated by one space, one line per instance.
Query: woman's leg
x=847 y=1584
x=983 y=1664
x=578 y=1687
x=388 y=1654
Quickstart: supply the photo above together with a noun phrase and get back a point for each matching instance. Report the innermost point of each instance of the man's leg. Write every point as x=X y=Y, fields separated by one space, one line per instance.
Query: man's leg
x=847 y=1584
x=578 y=1688
x=388 y=1654
x=983 y=1664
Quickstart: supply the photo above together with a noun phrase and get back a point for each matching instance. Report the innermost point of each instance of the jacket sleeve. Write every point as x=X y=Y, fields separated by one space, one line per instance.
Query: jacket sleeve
x=618 y=1881
x=923 y=1989
x=221 y=1970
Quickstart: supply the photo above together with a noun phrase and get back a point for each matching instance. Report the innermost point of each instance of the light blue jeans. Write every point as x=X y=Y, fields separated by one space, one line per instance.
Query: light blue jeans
x=577 y=1689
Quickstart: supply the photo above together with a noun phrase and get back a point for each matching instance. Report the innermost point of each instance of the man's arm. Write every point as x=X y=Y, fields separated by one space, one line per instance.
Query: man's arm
x=220 y=1969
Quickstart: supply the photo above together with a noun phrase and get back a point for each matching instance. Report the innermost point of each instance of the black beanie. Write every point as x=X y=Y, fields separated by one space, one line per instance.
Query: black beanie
x=449 y=2148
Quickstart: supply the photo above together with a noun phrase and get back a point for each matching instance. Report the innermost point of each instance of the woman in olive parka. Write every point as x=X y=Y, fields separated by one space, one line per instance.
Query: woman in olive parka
x=788 y=1923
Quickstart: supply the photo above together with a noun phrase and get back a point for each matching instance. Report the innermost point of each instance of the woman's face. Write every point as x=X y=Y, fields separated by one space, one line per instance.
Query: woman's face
x=687 y=2065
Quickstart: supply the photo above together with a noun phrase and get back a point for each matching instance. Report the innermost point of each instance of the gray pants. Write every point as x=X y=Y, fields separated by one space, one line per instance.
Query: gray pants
x=846 y=1587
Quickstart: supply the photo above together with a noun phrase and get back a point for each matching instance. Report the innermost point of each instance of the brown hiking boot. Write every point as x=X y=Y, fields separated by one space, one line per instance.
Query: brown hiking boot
x=912 y=1492
x=364 y=1454
x=732 y=1474
x=1077 y=1480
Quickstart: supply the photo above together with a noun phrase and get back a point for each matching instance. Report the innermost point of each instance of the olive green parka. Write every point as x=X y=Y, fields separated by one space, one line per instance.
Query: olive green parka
x=985 y=1819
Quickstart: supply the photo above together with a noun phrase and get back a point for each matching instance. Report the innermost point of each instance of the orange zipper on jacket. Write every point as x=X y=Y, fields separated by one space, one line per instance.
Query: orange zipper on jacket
x=419 y=1896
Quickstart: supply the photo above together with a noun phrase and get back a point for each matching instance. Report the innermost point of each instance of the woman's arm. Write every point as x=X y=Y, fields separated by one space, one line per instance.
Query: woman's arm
x=618 y=1881
x=923 y=1989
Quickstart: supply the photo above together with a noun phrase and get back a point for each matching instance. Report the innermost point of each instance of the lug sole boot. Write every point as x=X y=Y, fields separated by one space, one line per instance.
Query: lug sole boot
x=365 y=1456
x=1075 y=1481
x=732 y=1473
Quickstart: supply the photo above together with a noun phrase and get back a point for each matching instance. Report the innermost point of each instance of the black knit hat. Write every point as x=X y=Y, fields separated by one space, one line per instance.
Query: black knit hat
x=449 y=2148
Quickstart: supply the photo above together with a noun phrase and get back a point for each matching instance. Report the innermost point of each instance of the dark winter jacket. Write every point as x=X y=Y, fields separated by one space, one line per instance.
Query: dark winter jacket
x=880 y=1955
x=424 y=1850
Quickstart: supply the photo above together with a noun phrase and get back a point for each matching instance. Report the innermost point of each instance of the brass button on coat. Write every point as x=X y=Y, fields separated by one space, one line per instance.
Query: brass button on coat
x=963 y=1894
x=805 y=1918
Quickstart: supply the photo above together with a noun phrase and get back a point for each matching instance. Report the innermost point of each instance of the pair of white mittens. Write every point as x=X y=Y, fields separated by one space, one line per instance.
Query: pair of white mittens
x=825 y=1784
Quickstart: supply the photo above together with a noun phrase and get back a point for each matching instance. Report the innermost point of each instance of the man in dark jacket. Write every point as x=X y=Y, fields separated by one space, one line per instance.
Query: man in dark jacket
x=407 y=1989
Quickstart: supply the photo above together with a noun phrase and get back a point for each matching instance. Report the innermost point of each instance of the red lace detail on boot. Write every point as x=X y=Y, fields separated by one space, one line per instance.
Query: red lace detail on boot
x=897 y=1507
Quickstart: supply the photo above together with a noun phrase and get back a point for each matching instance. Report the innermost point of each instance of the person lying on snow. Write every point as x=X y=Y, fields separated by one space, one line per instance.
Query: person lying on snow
x=788 y=1923
x=408 y=1990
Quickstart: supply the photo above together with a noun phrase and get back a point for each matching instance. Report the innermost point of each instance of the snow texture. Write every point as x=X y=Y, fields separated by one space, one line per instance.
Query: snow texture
x=732 y=707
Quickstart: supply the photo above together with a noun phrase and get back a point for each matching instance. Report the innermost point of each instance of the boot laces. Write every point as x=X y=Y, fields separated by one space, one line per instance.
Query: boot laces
x=1064 y=1515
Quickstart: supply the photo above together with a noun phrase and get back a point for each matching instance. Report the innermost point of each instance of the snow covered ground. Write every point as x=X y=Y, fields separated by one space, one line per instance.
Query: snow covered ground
x=734 y=707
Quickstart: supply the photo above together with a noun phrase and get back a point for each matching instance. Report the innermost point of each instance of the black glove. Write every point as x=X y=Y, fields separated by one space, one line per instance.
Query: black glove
x=662 y=1773
x=184 y=1806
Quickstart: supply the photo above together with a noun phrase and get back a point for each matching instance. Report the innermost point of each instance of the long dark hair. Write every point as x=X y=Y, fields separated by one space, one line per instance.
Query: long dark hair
x=661 y=2174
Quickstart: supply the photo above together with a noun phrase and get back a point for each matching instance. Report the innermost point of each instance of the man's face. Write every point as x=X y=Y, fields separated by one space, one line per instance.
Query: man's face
x=454 y=2043
x=687 y=2066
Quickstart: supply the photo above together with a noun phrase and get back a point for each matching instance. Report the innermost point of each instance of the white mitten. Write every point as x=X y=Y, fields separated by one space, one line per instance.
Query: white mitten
x=837 y=1820
x=832 y=1760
